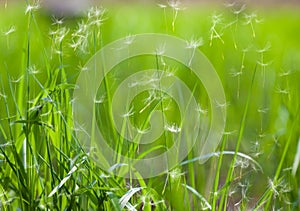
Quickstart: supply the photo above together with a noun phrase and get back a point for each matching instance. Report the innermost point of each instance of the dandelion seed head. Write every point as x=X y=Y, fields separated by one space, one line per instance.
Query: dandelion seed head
x=31 y=8
x=163 y=6
x=194 y=43
x=250 y=18
x=175 y=174
x=57 y=21
x=33 y=70
x=240 y=10
x=174 y=4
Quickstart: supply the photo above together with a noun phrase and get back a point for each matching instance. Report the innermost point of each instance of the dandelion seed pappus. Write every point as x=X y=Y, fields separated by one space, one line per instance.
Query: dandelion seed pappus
x=149 y=109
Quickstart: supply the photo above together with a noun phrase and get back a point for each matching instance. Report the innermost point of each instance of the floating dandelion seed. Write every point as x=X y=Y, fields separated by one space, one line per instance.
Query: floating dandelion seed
x=129 y=39
x=57 y=21
x=201 y=110
x=163 y=6
x=238 y=11
x=160 y=50
x=173 y=128
x=222 y=105
x=262 y=110
x=267 y=47
x=101 y=100
x=33 y=70
x=129 y=113
x=143 y=131
x=285 y=73
x=31 y=8
x=216 y=20
x=194 y=44
x=11 y=30
x=175 y=5
x=82 y=68
x=16 y=80
x=133 y=84
x=282 y=91
x=250 y=19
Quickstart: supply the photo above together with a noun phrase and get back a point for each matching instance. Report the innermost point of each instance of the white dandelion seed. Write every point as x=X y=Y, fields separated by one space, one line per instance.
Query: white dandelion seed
x=31 y=8
x=100 y=100
x=11 y=30
x=129 y=113
x=173 y=128
x=129 y=39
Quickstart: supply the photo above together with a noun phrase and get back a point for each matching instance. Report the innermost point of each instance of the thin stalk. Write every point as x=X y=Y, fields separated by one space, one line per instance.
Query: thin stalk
x=224 y=198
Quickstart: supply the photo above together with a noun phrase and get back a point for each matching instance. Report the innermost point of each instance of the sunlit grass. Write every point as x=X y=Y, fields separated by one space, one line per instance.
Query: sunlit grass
x=42 y=163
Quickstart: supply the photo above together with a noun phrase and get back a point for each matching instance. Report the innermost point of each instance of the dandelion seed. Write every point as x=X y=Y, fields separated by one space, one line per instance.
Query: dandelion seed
x=11 y=30
x=129 y=113
x=282 y=91
x=201 y=110
x=161 y=50
x=57 y=21
x=170 y=71
x=222 y=105
x=285 y=73
x=129 y=39
x=262 y=110
x=173 y=128
x=236 y=74
x=17 y=80
x=174 y=4
x=242 y=8
x=273 y=187
x=163 y=6
x=175 y=174
x=264 y=64
x=33 y=70
x=101 y=100
x=194 y=43
x=229 y=4
x=250 y=19
x=31 y=8
x=216 y=20
x=82 y=68
x=255 y=147
x=243 y=163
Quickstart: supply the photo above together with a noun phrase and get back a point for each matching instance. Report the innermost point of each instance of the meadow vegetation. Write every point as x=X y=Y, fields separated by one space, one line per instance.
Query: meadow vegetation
x=256 y=53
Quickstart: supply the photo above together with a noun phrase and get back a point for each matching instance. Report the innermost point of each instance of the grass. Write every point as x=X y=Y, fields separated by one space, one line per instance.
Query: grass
x=43 y=163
